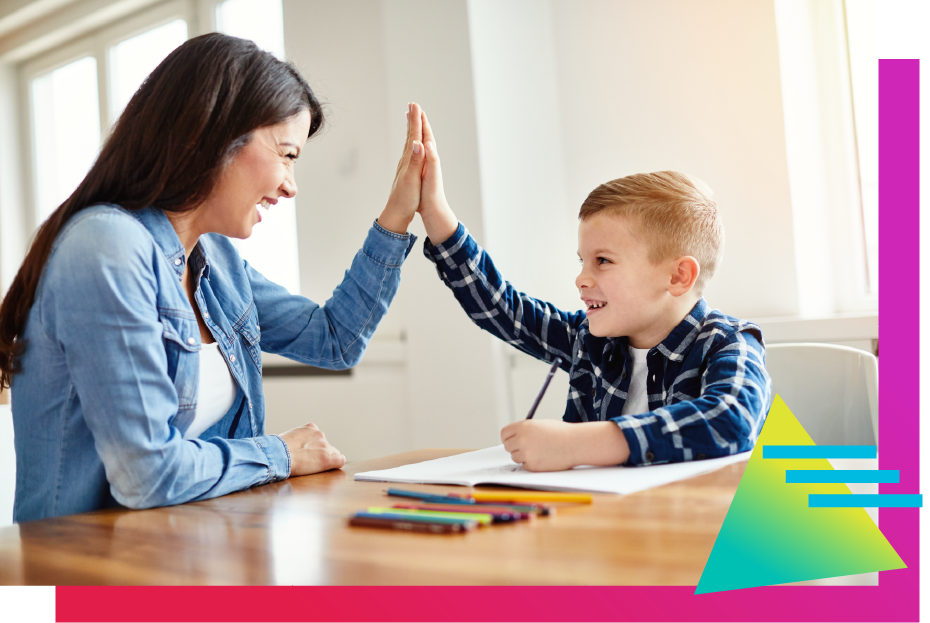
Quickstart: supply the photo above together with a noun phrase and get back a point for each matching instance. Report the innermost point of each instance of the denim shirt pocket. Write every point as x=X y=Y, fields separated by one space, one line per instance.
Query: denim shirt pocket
x=181 y=337
x=248 y=329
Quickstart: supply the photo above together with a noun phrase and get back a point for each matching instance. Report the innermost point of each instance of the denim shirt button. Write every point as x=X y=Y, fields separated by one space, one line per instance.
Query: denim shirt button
x=232 y=358
x=206 y=315
x=177 y=262
x=191 y=341
x=650 y=456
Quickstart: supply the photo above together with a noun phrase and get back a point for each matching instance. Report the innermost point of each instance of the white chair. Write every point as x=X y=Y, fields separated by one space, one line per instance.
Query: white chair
x=831 y=390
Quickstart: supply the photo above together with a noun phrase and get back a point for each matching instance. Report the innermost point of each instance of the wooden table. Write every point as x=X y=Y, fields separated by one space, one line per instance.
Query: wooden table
x=296 y=532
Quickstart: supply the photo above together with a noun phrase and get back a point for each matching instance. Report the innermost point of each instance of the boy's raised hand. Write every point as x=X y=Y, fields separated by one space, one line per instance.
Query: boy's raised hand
x=438 y=218
x=404 y=200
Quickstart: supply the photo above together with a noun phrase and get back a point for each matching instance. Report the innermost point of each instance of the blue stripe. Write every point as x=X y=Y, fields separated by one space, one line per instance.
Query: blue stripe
x=819 y=452
x=861 y=500
x=815 y=476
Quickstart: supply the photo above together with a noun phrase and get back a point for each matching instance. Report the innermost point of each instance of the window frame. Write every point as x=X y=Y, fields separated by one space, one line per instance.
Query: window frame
x=96 y=44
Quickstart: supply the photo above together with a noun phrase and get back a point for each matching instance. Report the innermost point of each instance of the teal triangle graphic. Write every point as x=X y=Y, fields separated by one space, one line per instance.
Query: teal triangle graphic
x=771 y=536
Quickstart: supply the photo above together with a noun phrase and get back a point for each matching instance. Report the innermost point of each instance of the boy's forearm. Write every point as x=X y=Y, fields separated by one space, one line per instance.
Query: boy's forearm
x=599 y=443
x=440 y=223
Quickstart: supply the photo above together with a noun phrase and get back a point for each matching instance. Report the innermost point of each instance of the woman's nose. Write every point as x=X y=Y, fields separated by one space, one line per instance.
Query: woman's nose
x=289 y=186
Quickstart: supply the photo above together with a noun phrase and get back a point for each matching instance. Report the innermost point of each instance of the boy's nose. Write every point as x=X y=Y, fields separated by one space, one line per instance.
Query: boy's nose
x=583 y=280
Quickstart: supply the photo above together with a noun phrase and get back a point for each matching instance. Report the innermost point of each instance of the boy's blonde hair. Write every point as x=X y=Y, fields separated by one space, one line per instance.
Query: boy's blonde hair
x=675 y=213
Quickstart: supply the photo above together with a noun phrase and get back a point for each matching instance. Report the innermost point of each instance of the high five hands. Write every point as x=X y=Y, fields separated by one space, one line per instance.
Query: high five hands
x=418 y=184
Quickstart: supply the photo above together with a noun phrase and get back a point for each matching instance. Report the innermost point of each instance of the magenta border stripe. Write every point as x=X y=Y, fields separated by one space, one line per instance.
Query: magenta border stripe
x=899 y=302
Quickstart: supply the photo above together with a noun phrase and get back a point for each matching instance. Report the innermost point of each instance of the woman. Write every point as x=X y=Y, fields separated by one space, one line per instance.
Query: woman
x=132 y=334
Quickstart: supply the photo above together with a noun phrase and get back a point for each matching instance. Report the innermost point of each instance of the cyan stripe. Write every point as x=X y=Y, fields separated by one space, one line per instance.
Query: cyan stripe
x=861 y=500
x=818 y=476
x=819 y=452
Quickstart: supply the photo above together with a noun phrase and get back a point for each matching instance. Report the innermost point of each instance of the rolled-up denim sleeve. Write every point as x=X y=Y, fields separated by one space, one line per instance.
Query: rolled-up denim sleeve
x=334 y=335
x=725 y=419
x=100 y=307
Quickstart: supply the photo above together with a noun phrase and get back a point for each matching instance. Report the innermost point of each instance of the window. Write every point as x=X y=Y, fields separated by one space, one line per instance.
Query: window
x=272 y=248
x=830 y=208
x=132 y=60
x=66 y=115
x=78 y=90
x=860 y=19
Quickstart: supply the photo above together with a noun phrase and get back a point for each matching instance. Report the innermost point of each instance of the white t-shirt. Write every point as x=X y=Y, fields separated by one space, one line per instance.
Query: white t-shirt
x=637 y=400
x=215 y=391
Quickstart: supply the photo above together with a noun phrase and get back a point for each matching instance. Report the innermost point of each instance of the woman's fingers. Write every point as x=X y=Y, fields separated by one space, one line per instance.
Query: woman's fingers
x=414 y=138
x=414 y=124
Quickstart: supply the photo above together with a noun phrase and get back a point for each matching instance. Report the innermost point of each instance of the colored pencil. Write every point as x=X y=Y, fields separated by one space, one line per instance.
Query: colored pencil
x=483 y=518
x=410 y=526
x=536 y=496
x=545 y=385
x=429 y=497
x=470 y=523
x=499 y=513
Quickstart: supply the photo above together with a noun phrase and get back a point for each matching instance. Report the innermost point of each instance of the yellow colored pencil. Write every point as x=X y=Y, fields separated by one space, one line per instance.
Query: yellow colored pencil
x=536 y=496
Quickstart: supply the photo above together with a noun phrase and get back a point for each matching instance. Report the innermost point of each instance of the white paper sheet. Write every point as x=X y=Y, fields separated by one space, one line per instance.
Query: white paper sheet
x=494 y=466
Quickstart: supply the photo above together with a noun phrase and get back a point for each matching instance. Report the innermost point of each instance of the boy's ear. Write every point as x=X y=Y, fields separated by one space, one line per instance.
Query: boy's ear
x=685 y=271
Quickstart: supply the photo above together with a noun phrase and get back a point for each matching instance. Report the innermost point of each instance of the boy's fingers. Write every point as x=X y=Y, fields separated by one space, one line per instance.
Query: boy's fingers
x=427 y=129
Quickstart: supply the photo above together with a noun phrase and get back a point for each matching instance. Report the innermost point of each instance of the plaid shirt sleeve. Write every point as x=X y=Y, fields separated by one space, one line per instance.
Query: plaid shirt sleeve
x=725 y=419
x=535 y=327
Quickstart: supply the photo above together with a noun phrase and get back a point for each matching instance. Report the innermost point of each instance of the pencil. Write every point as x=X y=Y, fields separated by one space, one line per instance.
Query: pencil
x=536 y=496
x=483 y=518
x=410 y=526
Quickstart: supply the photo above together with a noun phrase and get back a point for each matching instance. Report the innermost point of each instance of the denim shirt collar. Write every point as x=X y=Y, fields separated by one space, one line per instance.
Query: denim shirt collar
x=157 y=223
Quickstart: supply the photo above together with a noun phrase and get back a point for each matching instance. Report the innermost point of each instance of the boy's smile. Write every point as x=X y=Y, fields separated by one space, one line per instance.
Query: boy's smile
x=623 y=291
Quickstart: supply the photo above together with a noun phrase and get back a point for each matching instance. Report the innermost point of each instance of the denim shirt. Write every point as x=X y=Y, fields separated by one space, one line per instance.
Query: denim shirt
x=706 y=382
x=110 y=372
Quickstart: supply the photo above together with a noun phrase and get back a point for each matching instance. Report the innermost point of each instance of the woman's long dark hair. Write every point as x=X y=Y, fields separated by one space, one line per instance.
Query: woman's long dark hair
x=186 y=122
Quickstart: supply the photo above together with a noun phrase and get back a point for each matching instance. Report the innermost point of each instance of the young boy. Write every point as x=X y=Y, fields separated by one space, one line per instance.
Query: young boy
x=655 y=376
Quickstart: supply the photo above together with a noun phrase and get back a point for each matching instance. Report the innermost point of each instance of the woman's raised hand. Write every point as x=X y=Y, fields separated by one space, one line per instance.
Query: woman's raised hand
x=438 y=218
x=310 y=451
x=405 y=193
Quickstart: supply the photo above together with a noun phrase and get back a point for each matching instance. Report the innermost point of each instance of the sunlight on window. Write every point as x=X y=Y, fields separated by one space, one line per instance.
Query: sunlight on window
x=132 y=60
x=262 y=21
x=861 y=15
x=66 y=117
x=272 y=249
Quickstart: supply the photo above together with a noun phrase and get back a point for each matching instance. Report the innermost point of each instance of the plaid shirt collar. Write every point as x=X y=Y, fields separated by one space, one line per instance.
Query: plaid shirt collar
x=674 y=347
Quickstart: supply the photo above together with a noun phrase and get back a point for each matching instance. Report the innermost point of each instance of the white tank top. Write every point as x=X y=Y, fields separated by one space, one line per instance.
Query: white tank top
x=637 y=399
x=215 y=393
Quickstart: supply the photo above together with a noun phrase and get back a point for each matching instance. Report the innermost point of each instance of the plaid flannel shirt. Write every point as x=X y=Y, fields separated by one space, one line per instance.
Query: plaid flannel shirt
x=708 y=388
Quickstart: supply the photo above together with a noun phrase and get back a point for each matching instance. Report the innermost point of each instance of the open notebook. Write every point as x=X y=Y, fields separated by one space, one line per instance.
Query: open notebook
x=493 y=466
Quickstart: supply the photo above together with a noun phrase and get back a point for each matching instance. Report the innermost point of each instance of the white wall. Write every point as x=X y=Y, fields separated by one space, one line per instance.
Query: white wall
x=368 y=59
